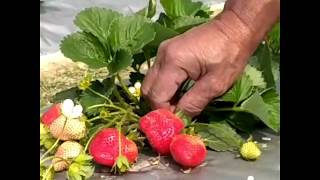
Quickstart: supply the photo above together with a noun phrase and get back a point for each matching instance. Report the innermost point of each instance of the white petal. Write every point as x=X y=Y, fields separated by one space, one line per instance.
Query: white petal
x=264 y=145
x=250 y=178
x=132 y=90
x=67 y=107
x=137 y=85
x=266 y=138
x=77 y=111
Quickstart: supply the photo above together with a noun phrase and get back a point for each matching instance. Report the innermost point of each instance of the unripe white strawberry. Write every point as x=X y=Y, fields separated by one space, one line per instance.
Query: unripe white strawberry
x=64 y=155
x=68 y=129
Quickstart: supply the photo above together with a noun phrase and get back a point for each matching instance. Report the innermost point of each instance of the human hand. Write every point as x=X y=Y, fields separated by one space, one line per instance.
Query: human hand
x=212 y=54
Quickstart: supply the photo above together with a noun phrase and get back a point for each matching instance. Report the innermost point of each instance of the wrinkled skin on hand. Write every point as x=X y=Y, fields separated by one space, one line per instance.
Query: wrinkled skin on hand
x=213 y=55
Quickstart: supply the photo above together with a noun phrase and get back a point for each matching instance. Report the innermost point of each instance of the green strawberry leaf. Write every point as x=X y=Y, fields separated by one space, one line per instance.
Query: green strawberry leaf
x=272 y=101
x=96 y=21
x=132 y=32
x=204 y=12
x=150 y=10
x=81 y=167
x=72 y=93
x=84 y=47
x=275 y=65
x=89 y=98
x=265 y=58
x=255 y=76
x=219 y=136
x=243 y=121
x=240 y=90
x=182 y=24
x=162 y=33
x=121 y=60
x=274 y=39
x=256 y=105
x=177 y=8
x=164 y=20
x=46 y=139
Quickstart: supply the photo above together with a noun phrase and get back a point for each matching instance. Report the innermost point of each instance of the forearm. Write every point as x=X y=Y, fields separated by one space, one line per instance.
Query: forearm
x=248 y=21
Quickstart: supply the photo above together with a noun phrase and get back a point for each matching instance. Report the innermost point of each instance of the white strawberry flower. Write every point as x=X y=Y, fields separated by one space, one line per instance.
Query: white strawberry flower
x=135 y=90
x=70 y=110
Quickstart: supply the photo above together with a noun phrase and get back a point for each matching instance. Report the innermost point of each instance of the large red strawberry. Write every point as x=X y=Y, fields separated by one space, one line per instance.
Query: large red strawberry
x=104 y=148
x=51 y=114
x=187 y=150
x=160 y=126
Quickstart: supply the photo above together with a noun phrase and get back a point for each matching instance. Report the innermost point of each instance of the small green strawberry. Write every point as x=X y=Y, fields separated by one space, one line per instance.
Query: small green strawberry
x=250 y=151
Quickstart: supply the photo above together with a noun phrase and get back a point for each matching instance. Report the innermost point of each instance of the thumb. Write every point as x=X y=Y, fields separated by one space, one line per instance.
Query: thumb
x=197 y=98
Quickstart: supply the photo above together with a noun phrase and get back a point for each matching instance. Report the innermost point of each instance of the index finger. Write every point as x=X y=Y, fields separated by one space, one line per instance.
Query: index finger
x=161 y=83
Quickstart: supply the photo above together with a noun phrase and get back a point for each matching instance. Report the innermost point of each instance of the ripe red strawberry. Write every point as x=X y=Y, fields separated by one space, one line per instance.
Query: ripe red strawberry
x=64 y=155
x=104 y=148
x=51 y=114
x=187 y=150
x=160 y=126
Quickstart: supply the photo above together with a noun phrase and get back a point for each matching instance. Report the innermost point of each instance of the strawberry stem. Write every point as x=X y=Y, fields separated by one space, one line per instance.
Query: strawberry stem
x=51 y=148
x=46 y=159
x=100 y=95
x=56 y=142
x=114 y=107
x=93 y=135
x=118 y=96
x=134 y=99
x=94 y=118
x=236 y=109
x=44 y=177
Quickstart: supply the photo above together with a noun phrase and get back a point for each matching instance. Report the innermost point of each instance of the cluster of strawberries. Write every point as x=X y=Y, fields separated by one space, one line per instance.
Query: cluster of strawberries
x=109 y=147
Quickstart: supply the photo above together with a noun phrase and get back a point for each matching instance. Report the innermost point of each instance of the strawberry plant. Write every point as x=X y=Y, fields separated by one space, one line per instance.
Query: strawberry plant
x=107 y=122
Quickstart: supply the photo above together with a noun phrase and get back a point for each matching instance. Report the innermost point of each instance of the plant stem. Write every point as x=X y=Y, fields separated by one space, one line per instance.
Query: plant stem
x=147 y=57
x=149 y=64
x=115 y=107
x=51 y=148
x=46 y=159
x=114 y=113
x=55 y=143
x=108 y=106
x=94 y=118
x=93 y=135
x=236 y=109
x=44 y=177
x=118 y=96
x=100 y=95
x=134 y=99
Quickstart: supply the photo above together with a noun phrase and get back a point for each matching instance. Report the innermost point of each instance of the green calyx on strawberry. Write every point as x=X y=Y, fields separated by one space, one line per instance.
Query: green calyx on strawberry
x=81 y=167
x=187 y=150
x=105 y=150
x=64 y=155
x=160 y=126
x=63 y=121
x=46 y=139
